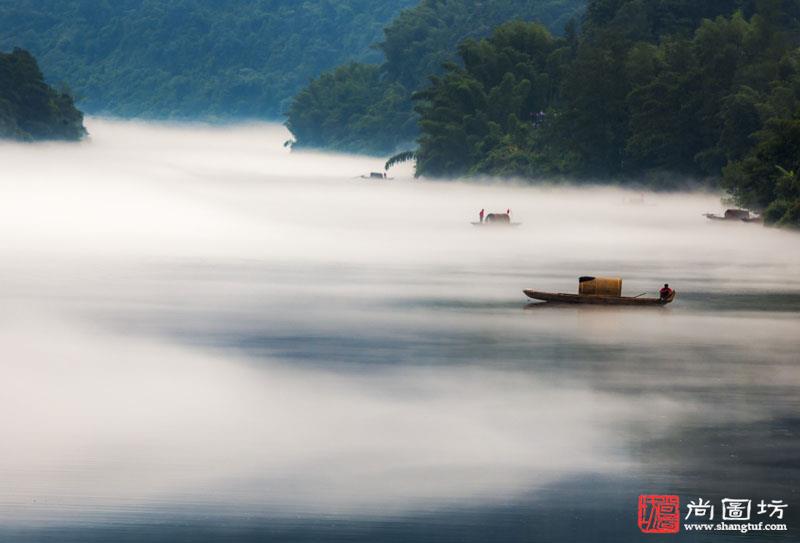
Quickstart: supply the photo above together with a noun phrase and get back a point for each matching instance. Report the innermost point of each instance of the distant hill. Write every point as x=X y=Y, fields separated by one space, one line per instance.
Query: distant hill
x=29 y=108
x=192 y=58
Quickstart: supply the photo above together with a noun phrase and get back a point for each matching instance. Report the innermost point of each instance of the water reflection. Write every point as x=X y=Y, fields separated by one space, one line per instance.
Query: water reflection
x=206 y=338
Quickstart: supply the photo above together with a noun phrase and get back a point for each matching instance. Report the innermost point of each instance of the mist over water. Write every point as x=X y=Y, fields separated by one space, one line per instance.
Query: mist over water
x=197 y=323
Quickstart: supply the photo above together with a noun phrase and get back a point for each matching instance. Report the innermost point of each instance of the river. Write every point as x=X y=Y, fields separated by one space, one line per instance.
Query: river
x=205 y=337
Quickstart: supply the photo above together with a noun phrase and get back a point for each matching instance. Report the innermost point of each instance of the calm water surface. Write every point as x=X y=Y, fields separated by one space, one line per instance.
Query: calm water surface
x=205 y=338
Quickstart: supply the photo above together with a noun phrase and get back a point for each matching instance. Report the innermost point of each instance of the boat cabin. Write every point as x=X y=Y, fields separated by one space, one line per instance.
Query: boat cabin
x=498 y=218
x=736 y=214
x=600 y=286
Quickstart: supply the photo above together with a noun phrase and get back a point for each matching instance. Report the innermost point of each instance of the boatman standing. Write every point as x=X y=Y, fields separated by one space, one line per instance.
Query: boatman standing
x=481 y=214
x=665 y=292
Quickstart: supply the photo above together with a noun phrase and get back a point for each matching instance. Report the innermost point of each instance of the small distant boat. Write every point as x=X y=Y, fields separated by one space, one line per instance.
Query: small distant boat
x=598 y=291
x=742 y=215
x=497 y=219
x=377 y=175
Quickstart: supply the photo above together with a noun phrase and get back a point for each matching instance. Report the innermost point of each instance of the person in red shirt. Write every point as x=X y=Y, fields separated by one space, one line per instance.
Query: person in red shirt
x=481 y=214
x=665 y=292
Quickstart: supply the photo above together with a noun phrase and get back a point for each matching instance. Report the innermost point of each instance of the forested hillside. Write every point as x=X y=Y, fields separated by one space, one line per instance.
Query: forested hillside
x=29 y=108
x=192 y=58
x=663 y=91
x=368 y=107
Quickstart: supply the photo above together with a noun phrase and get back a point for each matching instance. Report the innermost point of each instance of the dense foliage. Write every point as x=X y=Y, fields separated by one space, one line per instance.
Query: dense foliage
x=29 y=108
x=346 y=110
x=193 y=58
x=422 y=39
x=478 y=118
x=351 y=108
x=646 y=90
x=768 y=177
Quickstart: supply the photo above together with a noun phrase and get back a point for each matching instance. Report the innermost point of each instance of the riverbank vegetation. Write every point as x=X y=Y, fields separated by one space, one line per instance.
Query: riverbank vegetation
x=368 y=107
x=29 y=108
x=659 y=92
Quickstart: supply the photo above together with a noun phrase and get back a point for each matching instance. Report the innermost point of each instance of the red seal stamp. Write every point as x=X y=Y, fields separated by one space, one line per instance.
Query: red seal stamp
x=659 y=514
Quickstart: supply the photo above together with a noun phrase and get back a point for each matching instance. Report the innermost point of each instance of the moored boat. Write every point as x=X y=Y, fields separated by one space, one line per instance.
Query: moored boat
x=377 y=175
x=742 y=215
x=496 y=219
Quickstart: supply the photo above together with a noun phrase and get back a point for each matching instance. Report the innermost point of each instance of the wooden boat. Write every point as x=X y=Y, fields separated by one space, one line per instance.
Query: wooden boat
x=595 y=299
x=377 y=175
x=497 y=219
x=742 y=215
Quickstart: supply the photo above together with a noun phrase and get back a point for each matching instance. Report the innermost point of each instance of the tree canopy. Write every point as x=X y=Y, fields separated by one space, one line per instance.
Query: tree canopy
x=29 y=108
x=645 y=90
x=420 y=40
x=416 y=45
x=193 y=58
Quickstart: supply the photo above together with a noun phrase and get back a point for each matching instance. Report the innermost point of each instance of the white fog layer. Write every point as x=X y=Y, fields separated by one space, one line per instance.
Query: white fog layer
x=196 y=318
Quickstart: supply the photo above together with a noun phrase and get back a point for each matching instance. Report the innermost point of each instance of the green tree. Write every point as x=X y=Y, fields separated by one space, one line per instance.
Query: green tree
x=769 y=176
x=329 y=111
x=417 y=45
x=486 y=116
x=29 y=108
x=193 y=59
x=643 y=91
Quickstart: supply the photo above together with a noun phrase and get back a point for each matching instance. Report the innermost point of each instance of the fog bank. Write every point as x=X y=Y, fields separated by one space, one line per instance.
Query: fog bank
x=195 y=318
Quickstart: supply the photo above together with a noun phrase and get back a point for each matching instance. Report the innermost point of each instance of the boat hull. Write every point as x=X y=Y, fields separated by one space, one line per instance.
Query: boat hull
x=594 y=299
